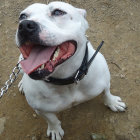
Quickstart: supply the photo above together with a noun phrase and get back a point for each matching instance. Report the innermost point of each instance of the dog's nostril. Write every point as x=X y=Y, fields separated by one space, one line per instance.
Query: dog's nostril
x=20 y=27
x=30 y=26
x=27 y=26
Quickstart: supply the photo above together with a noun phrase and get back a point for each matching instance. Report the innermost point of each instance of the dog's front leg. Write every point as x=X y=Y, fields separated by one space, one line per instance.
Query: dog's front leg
x=54 y=125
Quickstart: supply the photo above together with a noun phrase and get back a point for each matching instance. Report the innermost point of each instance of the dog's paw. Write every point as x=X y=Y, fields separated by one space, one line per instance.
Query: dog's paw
x=20 y=86
x=56 y=133
x=115 y=103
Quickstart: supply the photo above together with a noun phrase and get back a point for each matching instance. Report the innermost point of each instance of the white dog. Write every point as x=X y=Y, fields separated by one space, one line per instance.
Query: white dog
x=53 y=47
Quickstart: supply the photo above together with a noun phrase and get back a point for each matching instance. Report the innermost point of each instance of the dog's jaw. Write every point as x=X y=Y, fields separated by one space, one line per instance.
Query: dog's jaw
x=40 y=61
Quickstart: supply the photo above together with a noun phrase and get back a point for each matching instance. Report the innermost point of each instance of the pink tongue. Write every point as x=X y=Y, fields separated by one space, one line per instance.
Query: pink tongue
x=37 y=57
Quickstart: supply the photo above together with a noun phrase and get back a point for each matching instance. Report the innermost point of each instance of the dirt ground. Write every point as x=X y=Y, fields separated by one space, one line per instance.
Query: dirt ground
x=117 y=22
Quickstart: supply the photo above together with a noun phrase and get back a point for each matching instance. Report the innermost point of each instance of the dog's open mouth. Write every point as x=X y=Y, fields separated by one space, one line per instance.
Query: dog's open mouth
x=39 y=61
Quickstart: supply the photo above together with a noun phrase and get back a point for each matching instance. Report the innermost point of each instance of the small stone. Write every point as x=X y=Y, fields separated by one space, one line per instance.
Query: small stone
x=28 y=136
x=34 y=115
x=2 y=123
x=97 y=137
x=34 y=138
x=117 y=26
x=14 y=94
x=124 y=69
x=122 y=76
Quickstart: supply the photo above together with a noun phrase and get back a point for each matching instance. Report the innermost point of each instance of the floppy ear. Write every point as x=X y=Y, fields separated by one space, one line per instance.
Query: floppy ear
x=82 y=12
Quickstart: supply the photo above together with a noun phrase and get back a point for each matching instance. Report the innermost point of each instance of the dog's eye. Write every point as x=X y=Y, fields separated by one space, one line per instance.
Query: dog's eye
x=22 y=17
x=58 y=12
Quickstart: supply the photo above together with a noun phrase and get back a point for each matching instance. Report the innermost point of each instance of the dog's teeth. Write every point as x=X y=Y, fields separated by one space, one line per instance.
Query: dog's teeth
x=42 y=66
x=56 y=53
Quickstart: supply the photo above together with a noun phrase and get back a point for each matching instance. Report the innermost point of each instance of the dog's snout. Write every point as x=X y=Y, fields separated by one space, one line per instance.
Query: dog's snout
x=28 y=31
x=27 y=27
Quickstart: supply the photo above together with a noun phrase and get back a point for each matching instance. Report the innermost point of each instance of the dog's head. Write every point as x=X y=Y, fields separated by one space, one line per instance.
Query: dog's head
x=48 y=35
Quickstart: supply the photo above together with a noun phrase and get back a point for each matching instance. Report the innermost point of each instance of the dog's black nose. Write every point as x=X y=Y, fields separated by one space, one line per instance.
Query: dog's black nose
x=27 y=27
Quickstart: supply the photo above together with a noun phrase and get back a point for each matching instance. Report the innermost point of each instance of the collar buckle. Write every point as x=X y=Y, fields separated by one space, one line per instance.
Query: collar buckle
x=76 y=79
x=80 y=75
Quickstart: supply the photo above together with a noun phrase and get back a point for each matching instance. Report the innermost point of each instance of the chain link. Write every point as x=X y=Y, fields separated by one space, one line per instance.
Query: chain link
x=11 y=80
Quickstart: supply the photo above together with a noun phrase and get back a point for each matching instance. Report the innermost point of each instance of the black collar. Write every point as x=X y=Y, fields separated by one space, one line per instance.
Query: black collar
x=80 y=73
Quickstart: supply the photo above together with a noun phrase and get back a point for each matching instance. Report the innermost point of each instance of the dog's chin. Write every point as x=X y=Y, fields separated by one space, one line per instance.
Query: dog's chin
x=39 y=74
x=40 y=61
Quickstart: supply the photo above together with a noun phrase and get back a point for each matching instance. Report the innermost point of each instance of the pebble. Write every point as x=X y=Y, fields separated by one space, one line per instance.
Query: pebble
x=28 y=136
x=2 y=123
x=34 y=138
x=34 y=115
x=97 y=137
x=131 y=14
x=122 y=76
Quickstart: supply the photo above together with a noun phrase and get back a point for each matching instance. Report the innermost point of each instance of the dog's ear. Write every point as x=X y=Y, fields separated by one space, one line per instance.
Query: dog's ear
x=82 y=12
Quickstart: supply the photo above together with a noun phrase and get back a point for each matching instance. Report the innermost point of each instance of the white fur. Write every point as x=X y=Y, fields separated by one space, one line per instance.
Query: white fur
x=48 y=99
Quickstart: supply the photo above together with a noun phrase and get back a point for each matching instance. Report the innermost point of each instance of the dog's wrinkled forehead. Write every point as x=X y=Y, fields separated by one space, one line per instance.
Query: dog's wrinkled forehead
x=67 y=7
x=42 y=10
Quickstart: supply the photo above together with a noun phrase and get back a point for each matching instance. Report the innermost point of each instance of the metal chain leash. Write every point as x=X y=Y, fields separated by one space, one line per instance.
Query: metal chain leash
x=11 y=80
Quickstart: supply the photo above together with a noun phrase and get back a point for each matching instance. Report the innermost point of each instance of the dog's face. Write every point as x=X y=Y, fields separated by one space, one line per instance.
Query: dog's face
x=48 y=35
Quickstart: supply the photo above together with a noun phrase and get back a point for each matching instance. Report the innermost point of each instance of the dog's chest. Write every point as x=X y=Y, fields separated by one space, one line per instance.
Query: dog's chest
x=50 y=98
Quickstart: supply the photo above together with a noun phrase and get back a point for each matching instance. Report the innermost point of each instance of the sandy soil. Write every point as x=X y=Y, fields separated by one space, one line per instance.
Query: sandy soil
x=116 y=22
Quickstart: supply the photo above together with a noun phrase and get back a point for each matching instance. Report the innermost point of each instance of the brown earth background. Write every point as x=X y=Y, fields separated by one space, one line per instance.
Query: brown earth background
x=117 y=22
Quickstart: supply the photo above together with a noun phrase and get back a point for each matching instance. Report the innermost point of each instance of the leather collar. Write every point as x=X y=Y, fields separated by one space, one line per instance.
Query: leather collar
x=80 y=73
